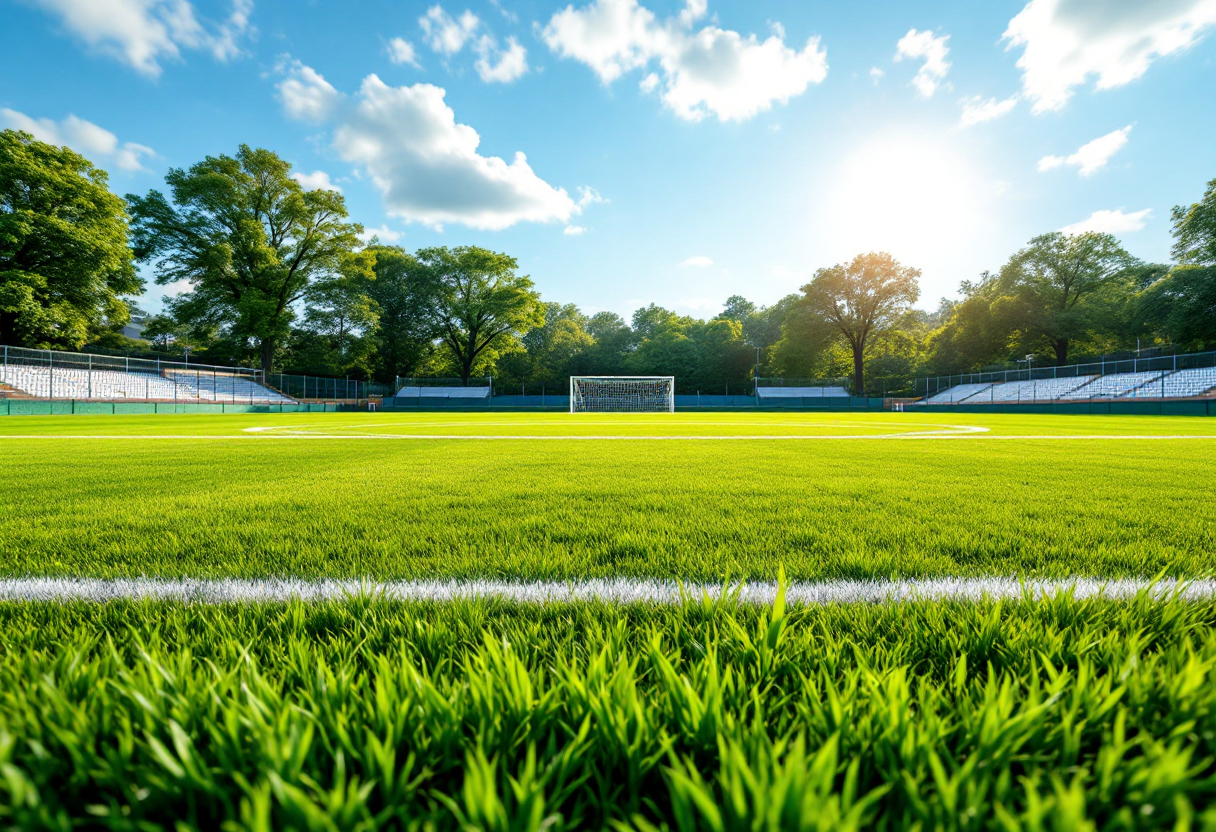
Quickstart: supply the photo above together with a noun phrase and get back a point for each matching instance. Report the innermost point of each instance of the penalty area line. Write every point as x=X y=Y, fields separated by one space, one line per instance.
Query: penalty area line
x=609 y=590
x=903 y=437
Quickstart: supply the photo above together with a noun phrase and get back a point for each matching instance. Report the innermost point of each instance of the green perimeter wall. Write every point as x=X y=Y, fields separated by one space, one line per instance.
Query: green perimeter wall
x=28 y=407
x=1206 y=407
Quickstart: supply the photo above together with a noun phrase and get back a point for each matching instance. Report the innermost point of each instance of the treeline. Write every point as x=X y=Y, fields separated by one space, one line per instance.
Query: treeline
x=279 y=277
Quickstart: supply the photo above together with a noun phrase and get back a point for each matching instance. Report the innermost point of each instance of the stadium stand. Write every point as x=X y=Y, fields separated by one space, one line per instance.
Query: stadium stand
x=443 y=393
x=802 y=392
x=1038 y=390
x=110 y=385
x=1156 y=384
x=1113 y=386
x=957 y=393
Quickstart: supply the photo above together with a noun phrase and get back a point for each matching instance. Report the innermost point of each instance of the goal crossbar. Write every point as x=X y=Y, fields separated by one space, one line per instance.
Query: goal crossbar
x=622 y=394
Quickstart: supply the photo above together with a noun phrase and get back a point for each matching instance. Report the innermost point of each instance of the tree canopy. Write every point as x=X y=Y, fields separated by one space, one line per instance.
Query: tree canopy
x=482 y=307
x=64 y=259
x=248 y=239
x=863 y=299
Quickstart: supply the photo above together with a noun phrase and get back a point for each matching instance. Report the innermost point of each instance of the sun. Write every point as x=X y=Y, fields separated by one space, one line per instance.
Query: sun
x=919 y=198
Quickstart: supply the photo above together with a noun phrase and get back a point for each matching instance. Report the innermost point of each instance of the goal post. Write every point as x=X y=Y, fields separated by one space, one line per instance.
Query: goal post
x=622 y=394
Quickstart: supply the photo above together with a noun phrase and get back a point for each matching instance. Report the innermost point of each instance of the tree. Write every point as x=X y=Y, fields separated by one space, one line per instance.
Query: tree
x=482 y=306
x=405 y=292
x=614 y=340
x=861 y=300
x=552 y=351
x=64 y=259
x=1182 y=306
x=1195 y=230
x=248 y=239
x=343 y=315
x=1063 y=288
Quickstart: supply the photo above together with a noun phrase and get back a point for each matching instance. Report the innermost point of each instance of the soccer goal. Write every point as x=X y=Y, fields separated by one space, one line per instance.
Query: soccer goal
x=622 y=394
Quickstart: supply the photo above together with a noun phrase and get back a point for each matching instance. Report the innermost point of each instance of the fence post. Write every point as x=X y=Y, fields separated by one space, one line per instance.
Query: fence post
x=90 y=372
x=50 y=363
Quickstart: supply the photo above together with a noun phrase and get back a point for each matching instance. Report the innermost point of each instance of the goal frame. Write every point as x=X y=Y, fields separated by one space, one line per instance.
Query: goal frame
x=670 y=380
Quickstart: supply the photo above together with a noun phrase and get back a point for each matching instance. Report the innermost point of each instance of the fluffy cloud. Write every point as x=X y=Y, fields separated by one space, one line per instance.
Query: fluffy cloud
x=318 y=180
x=574 y=230
x=932 y=50
x=445 y=34
x=710 y=71
x=1110 y=222
x=978 y=109
x=95 y=143
x=384 y=234
x=427 y=167
x=142 y=33
x=876 y=74
x=1067 y=42
x=699 y=261
x=305 y=93
x=401 y=51
x=1090 y=157
x=502 y=66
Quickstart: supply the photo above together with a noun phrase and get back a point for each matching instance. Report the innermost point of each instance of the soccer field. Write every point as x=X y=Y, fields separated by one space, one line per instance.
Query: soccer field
x=697 y=497
x=503 y=708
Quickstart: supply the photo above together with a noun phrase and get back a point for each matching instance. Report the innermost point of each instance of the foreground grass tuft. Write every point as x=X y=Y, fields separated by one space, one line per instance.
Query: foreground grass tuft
x=367 y=714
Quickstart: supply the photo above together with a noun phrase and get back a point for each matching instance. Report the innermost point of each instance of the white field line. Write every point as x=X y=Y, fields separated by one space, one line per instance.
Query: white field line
x=612 y=590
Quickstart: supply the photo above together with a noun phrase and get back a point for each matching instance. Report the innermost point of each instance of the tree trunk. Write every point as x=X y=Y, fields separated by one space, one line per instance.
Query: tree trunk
x=859 y=379
x=267 y=349
x=1061 y=348
x=466 y=370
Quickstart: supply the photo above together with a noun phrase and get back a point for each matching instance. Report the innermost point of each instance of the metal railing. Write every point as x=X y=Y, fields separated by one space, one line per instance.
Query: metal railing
x=1165 y=365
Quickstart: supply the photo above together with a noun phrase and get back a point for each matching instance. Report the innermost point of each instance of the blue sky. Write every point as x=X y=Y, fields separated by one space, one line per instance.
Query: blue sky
x=676 y=152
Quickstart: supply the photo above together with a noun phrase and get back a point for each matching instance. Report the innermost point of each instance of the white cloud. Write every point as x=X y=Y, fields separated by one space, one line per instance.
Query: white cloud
x=1066 y=42
x=305 y=93
x=445 y=34
x=917 y=45
x=502 y=66
x=978 y=109
x=587 y=196
x=1092 y=156
x=427 y=168
x=318 y=180
x=710 y=71
x=876 y=74
x=401 y=51
x=1110 y=222
x=699 y=261
x=574 y=230
x=95 y=143
x=383 y=233
x=142 y=33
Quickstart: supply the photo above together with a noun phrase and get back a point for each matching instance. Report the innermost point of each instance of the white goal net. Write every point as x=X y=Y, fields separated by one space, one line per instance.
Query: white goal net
x=622 y=394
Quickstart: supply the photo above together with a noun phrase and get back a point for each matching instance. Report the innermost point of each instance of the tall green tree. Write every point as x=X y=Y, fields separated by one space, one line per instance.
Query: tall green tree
x=64 y=259
x=1182 y=305
x=862 y=300
x=406 y=294
x=483 y=307
x=342 y=315
x=248 y=239
x=553 y=351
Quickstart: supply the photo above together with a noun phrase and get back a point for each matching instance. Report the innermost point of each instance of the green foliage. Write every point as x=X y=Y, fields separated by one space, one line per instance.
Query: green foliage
x=861 y=300
x=1195 y=230
x=482 y=306
x=249 y=240
x=1182 y=306
x=551 y=352
x=369 y=714
x=404 y=293
x=252 y=506
x=64 y=260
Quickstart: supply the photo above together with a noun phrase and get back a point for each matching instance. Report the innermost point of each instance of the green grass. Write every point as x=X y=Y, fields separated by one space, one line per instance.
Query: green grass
x=252 y=505
x=368 y=714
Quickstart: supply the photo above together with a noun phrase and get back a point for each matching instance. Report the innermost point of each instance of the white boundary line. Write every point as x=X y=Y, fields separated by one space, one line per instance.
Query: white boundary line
x=613 y=590
x=928 y=435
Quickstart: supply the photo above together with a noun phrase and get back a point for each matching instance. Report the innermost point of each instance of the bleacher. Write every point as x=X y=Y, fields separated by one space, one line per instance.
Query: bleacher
x=1037 y=390
x=117 y=385
x=957 y=393
x=1114 y=386
x=802 y=392
x=1156 y=384
x=443 y=393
